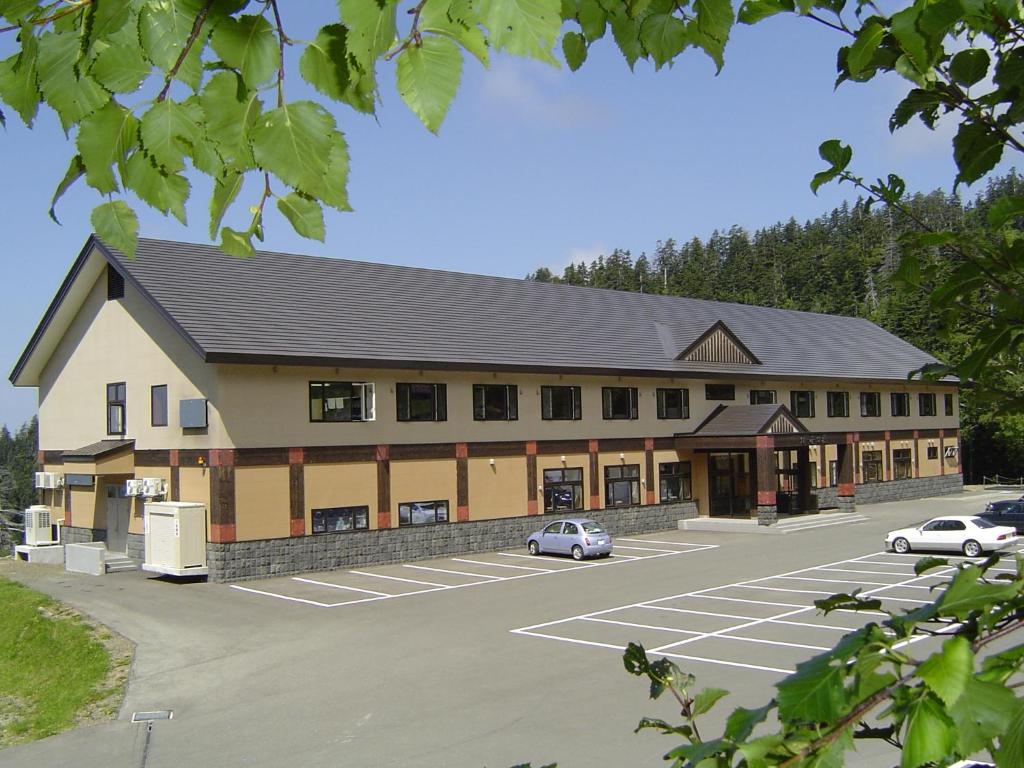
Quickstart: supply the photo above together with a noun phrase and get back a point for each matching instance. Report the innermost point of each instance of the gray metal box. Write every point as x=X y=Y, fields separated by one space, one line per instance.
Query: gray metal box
x=192 y=414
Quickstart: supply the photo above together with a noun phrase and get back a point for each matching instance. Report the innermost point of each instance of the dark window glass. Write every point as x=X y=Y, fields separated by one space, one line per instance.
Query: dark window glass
x=926 y=403
x=838 y=403
x=870 y=404
x=619 y=402
x=955 y=525
x=563 y=489
x=673 y=403
x=719 y=392
x=495 y=402
x=422 y=402
x=571 y=529
x=812 y=469
x=116 y=407
x=561 y=403
x=902 y=465
x=675 y=481
x=933 y=451
x=622 y=485
x=335 y=519
x=900 y=402
x=833 y=472
x=871 y=466
x=340 y=401
x=115 y=284
x=762 y=397
x=554 y=528
x=802 y=403
x=949 y=405
x=423 y=512
x=158 y=405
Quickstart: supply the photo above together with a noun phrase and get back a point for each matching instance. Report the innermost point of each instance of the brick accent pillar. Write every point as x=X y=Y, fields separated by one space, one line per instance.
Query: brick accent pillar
x=531 y=478
x=222 y=495
x=767 y=482
x=845 y=463
x=823 y=466
x=174 y=492
x=649 y=460
x=296 y=492
x=595 y=467
x=888 y=457
x=917 y=454
x=383 y=458
x=462 y=482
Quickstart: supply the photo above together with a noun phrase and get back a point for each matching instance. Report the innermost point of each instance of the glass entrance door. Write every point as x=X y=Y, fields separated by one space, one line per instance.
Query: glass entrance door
x=729 y=481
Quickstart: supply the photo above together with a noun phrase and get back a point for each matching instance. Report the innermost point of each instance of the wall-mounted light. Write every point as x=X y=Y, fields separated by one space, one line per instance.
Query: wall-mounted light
x=643 y=482
x=563 y=459
x=622 y=457
x=492 y=462
x=540 y=488
x=200 y=461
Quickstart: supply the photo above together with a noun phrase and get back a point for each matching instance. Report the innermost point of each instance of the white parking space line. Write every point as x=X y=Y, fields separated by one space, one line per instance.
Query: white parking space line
x=870 y=573
x=673 y=543
x=726 y=663
x=642 y=626
x=457 y=573
x=399 y=578
x=552 y=561
x=341 y=586
x=646 y=549
x=836 y=581
x=282 y=597
x=502 y=565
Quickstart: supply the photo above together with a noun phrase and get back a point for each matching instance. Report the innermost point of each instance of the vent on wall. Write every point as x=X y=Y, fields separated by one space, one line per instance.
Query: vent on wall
x=718 y=345
x=115 y=284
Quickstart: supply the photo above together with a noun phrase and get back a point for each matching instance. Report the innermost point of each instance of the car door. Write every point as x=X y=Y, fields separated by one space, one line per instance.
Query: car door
x=1015 y=517
x=954 y=534
x=551 y=538
x=930 y=535
x=570 y=536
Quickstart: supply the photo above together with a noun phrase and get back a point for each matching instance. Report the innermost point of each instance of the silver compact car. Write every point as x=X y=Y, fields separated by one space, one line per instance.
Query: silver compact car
x=576 y=536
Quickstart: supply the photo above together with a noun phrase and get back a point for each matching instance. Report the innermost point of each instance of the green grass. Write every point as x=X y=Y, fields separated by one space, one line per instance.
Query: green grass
x=52 y=667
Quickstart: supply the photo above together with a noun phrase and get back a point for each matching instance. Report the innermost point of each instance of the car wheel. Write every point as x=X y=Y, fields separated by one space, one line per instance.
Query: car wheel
x=972 y=548
x=533 y=547
x=901 y=546
x=577 y=552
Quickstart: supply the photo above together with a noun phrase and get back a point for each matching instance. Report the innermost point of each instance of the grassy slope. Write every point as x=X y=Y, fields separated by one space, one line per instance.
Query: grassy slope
x=51 y=665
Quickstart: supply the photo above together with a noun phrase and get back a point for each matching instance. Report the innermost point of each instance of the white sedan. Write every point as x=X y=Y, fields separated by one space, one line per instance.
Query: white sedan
x=963 y=533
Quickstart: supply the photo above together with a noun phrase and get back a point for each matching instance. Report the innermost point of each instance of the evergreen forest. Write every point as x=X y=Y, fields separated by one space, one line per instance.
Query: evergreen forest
x=18 y=456
x=845 y=262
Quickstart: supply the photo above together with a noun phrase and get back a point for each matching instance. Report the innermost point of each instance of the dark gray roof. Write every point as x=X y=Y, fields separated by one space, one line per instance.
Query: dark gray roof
x=95 y=450
x=293 y=309
x=742 y=420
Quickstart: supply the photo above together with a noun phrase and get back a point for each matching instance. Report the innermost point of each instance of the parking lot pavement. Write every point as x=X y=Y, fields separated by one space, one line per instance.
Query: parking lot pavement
x=334 y=589
x=767 y=624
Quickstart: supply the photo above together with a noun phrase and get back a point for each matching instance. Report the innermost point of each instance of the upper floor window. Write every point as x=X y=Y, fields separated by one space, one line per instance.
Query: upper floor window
x=495 y=402
x=158 y=405
x=561 y=403
x=116 y=416
x=949 y=404
x=422 y=402
x=762 y=397
x=619 y=402
x=802 y=403
x=719 y=391
x=837 y=403
x=870 y=404
x=341 y=401
x=673 y=403
x=926 y=403
x=900 y=403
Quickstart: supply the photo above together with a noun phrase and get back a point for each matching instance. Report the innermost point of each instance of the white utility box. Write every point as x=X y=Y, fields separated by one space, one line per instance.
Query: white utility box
x=175 y=538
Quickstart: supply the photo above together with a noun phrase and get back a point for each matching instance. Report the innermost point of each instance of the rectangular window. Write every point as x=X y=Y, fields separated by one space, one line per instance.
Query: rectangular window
x=719 y=391
x=423 y=512
x=619 y=402
x=622 y=485
x=561 y=404
x=838 y=404
x=933 y=452
x=676 y=484
x=802 y=403
x=563 y=489
x=949 y=404
x=900 y=402
x=833 y=473
x=902 y=465
x=158 y=405
x=870 y=404
x=926 y=403
x=871 y=468
x=422 y=402
x=812 y=468
x=673 y=403
x=341 y=401
x=762 y=397
x=495 y=402
x=334 y=519
x=116 y=415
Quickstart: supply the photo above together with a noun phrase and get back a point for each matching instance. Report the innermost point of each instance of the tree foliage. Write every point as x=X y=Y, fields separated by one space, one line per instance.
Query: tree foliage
x=18 y=454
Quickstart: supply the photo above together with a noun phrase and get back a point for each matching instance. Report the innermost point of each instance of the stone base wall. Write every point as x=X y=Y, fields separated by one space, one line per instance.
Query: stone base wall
x=846 y=504
x=328 y=551
x=915 y=488
x=70 y=534
x=827 y=498
x=136 y=547
x=767 y=514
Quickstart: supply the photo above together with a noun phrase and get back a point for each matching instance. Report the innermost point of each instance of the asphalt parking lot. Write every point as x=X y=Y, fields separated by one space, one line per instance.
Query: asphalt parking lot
x=484 y=664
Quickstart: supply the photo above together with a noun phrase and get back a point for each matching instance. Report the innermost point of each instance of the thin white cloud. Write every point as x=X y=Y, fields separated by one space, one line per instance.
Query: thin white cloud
x=537 y=93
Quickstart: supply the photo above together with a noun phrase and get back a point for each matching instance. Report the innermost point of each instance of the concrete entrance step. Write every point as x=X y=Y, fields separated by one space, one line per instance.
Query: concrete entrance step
x=782 y=527
x=116 y=563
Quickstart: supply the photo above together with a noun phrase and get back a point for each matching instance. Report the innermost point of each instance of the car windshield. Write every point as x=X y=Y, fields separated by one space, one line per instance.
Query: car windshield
x=593 y=528
x=983 y=523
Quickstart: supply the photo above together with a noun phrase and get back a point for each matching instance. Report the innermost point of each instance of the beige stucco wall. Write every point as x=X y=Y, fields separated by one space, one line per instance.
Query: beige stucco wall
x=261 y=503
x=572 y=461
x=423 y=480
x=498 y=490
x=340 y=485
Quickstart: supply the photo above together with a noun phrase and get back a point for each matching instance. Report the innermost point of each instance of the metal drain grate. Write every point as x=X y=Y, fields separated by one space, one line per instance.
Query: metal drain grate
x=148 y=717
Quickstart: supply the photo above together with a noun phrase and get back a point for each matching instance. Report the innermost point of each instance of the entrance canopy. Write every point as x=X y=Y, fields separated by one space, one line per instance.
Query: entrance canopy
x=739 y=426
x=106 y=457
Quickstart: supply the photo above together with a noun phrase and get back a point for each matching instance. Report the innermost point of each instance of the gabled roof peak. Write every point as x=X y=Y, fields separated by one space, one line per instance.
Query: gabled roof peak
x=718 y=344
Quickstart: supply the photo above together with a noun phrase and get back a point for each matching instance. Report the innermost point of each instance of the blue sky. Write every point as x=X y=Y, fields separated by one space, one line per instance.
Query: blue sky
x=534 y=166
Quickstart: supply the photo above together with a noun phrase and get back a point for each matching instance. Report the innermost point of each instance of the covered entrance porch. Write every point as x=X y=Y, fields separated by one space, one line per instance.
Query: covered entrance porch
x=95 y=491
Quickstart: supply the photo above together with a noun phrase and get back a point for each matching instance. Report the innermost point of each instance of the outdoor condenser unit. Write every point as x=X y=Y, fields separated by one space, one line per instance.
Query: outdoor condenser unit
x=175 y=538
x=40 y=529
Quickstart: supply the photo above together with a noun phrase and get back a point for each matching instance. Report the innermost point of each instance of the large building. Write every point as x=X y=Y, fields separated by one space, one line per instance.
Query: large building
x=332 y=413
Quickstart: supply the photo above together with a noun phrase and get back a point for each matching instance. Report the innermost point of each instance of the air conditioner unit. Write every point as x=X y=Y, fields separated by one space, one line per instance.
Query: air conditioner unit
x=153 y=487
x=40 y=527
x=133 y=487
x=49 y=480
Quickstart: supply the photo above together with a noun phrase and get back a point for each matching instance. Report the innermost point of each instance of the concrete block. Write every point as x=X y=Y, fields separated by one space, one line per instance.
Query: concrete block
x=51 y=555
x=90 y=557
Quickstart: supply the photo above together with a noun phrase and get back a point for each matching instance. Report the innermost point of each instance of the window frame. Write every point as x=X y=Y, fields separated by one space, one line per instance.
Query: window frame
x=661 y=397
x=607 y=401
x=438 y=401
x=435 y=521
x=117 y=404
x=772 y=400
x=902 y=464
x=866 y=398
x=684 y=478
x=547 y=402
x=632 y=480
x=830 y=402
x=948 y=406
x=153 y=420
x=353 y=512
x=901 y=397
x=511 y=406
x=875 y=461
x=726 y=391
x=795 y=395
x=927 y=397
x=367 y=401
x=573 y=485
x=932 y=453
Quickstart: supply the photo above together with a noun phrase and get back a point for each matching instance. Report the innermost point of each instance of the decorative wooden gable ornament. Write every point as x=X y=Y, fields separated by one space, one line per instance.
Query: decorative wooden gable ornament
x=784 y=423
x=718 y=345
